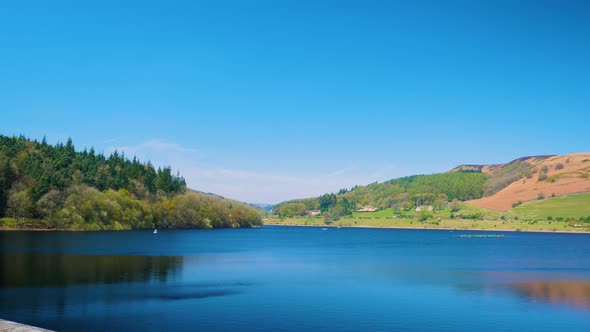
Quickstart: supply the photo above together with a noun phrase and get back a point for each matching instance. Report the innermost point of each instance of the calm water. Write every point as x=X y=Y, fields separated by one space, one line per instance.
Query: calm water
x=294 y=279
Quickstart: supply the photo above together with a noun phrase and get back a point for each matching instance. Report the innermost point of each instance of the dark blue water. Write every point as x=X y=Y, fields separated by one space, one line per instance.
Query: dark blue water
x=295 y=279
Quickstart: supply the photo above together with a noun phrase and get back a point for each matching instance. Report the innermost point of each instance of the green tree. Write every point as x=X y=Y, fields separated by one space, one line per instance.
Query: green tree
x=19 y=204
x=454 y=205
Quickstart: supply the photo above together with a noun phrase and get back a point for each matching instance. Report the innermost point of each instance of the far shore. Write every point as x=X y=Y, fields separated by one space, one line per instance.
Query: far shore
x=425 y=227
x=17 y=229
x=438 y=228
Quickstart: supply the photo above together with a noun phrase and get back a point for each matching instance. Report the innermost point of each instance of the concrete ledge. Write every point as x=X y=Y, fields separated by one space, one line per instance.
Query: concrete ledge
x=8 y=326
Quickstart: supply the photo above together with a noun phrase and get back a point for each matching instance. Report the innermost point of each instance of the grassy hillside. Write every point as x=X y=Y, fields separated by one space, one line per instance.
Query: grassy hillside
x=402 y=194
x=57 y=187
x=535 y=177
x=569 y=206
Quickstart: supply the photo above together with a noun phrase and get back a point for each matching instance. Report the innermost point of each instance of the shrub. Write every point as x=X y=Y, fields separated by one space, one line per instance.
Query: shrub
x=558 y=166
x=477 y=215
x=542 y=177
x=544 y=169
x=541 y=196
x=454 y=205
x=424 y=216
x=517 y=203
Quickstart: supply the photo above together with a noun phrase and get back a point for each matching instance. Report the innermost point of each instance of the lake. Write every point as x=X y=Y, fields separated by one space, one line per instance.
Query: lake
x=295 y=279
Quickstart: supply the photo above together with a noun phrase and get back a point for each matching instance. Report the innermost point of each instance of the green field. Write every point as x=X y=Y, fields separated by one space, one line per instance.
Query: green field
x=569 y=206
x=560 y=214
x=445 y=213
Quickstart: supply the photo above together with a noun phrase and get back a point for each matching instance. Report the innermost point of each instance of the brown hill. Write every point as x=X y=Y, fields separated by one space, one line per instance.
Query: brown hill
x=532 y=177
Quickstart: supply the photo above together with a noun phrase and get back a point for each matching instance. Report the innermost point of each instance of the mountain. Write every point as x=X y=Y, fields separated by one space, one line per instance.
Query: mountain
x=57 y=187
x=494 y=186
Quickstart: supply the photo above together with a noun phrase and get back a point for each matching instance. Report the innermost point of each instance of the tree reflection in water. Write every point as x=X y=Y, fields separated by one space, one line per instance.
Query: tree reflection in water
x=34 y=270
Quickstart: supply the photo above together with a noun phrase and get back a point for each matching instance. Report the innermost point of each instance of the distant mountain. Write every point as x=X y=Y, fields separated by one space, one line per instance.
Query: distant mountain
x=264 y=206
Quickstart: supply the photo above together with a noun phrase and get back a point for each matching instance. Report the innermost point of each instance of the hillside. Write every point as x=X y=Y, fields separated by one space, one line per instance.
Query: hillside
x=496 y=186
x=540 y=177
x=57 y=187
x=401 y=194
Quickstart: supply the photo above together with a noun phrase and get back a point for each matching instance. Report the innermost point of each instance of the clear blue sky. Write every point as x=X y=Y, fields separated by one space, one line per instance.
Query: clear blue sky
x=270 y=100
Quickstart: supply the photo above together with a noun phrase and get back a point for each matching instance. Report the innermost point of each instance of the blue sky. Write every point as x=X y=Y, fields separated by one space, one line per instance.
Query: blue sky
x=271 y=100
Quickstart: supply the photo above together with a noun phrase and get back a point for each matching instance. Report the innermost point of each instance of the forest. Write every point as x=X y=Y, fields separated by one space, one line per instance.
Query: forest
x=57 y=187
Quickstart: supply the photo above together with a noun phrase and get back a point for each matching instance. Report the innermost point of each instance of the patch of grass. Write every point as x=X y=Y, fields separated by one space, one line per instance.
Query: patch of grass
x=569 y=206
x=553 y=178
x=379 y=214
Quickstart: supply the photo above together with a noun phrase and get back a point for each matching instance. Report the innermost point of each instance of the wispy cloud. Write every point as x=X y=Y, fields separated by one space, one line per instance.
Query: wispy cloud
x=247 y=184
x=111 y=140
x=156 y=145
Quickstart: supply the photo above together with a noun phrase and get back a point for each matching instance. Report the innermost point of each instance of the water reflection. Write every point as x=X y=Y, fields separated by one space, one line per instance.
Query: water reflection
x=33 y=270
x=574 y=293
x=39 y=284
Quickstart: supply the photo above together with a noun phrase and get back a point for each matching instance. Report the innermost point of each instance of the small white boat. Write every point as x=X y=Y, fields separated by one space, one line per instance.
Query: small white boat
x=155 y=231
x=324 y=229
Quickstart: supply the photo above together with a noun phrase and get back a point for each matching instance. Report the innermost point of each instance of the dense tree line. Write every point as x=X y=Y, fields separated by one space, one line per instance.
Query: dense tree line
x=72 y=189
x=333 y=204
x=455 y=185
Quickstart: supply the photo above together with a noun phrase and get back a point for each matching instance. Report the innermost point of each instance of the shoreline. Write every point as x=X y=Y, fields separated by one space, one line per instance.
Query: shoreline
x=436 y=229
x=13 y=229
x=319 y=226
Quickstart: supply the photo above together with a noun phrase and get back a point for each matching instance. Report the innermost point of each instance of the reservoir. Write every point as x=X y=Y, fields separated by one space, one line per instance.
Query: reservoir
x=296 y=279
